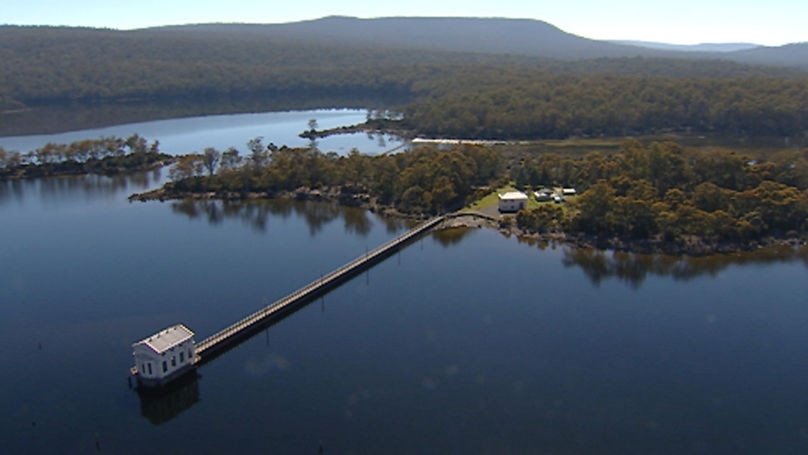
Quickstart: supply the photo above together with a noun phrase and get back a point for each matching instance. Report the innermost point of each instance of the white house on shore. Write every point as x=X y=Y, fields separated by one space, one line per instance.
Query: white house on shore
x=512 y=201
x=164 y=356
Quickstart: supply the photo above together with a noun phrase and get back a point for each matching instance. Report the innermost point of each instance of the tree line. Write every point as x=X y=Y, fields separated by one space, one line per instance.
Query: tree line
x=660 y=192
x=447 y=94
x=502 y=104
x=106 y=155
x=423 y=180
x=665 y=192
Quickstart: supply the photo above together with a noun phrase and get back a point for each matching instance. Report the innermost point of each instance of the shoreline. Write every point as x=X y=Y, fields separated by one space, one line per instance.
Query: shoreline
x=26 y=174
x=693 y=246
x=358 y=128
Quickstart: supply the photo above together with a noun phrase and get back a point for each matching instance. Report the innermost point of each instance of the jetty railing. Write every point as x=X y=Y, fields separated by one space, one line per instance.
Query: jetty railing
x=243 y=327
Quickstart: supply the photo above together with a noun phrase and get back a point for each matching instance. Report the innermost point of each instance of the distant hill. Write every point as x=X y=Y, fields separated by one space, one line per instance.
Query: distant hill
x=333 y=56
x=472 y=35
x=525 y=37
x=703 y=47
x=788 y=55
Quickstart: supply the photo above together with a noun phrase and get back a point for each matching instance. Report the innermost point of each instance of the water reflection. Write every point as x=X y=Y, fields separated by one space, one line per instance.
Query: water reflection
x=79 y=117
x=450 y=237
x=394 y=225
x=381 y=141
x=318 y=215
x=599 y=265
x=70 y=188
x=161 y=405
x=256 y=213
x=11 y=190
x=357 y=222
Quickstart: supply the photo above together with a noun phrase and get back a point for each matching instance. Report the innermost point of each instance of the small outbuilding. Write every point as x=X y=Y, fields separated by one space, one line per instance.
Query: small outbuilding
x=164 y=356
x=568 y=192
x=512 y=201
x=543 y=195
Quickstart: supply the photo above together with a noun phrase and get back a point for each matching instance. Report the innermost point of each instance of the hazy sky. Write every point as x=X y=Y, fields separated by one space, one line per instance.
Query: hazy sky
x=769 y=22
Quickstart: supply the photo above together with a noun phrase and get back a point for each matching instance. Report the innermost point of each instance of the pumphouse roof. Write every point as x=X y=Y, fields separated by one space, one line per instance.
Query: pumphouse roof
x=167 y=338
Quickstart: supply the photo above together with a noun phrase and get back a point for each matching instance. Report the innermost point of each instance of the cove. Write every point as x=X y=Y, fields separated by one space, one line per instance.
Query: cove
x=192 y=134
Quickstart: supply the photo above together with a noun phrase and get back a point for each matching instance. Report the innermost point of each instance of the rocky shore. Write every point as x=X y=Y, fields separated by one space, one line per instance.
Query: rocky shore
x=340 y=195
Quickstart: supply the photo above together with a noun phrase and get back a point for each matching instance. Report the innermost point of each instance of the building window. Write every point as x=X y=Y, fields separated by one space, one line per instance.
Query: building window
x=182 y=357
x=165 y=366
x=150 y=370
x=173 y=360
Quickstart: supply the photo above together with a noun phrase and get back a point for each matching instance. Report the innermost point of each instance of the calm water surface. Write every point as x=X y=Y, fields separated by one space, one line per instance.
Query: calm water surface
x=193 y=134
x=464 y=342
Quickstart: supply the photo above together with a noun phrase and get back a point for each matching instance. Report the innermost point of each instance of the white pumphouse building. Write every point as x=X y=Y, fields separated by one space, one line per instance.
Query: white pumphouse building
x=164 y=356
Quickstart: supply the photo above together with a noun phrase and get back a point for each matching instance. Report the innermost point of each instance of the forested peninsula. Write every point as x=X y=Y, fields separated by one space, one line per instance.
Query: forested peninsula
x=656 y=197
x=513 y=82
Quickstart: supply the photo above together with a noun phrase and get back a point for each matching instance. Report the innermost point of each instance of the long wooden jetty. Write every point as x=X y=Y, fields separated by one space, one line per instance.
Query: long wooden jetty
x=229 y=336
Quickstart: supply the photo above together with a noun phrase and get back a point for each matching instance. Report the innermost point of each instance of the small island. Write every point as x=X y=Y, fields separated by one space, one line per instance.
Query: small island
x=104 y=156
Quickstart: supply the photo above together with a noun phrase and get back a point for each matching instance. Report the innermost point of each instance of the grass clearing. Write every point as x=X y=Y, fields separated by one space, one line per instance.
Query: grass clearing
x=492 y=199
x=489 y=200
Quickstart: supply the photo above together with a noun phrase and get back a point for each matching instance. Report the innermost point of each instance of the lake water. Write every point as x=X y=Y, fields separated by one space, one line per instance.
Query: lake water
x=464 y=342
x=193 y=134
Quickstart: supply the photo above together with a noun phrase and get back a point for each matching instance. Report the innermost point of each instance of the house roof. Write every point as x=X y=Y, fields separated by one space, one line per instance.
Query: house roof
x=513 y=195
x=168 y=338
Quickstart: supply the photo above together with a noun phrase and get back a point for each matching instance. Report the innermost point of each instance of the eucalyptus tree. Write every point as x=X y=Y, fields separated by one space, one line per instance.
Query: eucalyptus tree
x=210 y=159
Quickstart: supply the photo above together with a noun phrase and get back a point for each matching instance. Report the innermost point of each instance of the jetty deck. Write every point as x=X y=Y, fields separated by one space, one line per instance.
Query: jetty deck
x=222 y=340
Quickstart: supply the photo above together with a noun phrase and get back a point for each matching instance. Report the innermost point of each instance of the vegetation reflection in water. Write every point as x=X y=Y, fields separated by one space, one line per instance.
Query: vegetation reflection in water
x=633 y=269
x=89 y=186
x=257 y=213
x=598 y=265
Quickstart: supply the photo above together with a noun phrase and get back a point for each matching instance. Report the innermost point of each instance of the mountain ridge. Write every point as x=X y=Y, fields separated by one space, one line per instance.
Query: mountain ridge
x=396 y=57
x=529 y=37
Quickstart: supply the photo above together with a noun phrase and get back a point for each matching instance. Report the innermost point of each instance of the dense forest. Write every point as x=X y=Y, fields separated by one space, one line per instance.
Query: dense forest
x=501 y=104
x=424 y=180
x=443 y=93
x=665 y=194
